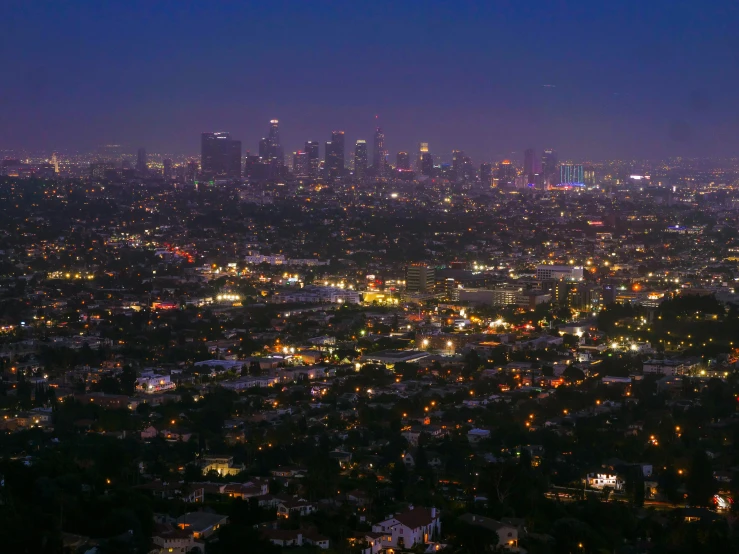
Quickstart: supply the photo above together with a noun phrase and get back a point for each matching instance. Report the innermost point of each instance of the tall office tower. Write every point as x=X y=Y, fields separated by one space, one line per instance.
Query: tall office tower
x=427 y=164
x=457 y=165
x=55 y=162
x=379 y=155
x=506 y=173
x=423 y=148
x=360 y=159
x=549 y=167
x=468 y=170
x=311 y=148
x=192 y=170
x=402 y=161
x=257 y=168
x=571 y=174
x=220 y=155
x=264 y=148
x=301 y=164
x=419 y=278
x=486 y=174
x=528 y=163
x=335 y=155
x=141 y=161
x=270 y=147
x=328 y=161
x=274 y=140
x=167 y=173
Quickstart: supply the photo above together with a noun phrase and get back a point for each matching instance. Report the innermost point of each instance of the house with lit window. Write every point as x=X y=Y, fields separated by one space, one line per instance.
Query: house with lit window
x=294 y=506
x=413 y=527
x=246 y=490
x=367 y=542
x=600 y=481
x=150 y=382
x=168 y=539
x=192 y=493
x=223 y=465
x=201 y=524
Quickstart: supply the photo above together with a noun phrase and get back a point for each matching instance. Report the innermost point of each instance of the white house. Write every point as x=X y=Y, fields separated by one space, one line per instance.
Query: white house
x=291 y=507
x=151 y=383
x=664 y=367
x=602 y=480
x=173 y=540
x=405 y=530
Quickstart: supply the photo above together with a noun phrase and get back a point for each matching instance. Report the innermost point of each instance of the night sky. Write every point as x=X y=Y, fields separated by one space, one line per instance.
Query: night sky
x=623 y=78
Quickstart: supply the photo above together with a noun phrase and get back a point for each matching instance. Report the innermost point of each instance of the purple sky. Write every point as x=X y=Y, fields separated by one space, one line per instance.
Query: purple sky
x=630 y=79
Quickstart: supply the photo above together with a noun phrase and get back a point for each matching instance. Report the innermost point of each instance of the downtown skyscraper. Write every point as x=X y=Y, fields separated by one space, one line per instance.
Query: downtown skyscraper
x=220 y=155
x=314 y=158
x=335 y=155
x=141 y=165
x=403 y=161
x=360 y=159
x=549 y=167
x=270 y=147
x=379 y=154
x=301 y=164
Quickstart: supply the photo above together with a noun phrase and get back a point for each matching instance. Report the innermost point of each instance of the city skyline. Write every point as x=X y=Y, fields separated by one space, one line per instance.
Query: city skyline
x=369 y=278
x=501 y=79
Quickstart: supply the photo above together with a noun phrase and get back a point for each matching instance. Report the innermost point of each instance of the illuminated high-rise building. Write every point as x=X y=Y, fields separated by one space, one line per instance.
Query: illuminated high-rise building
x=419 y=278
x=55 y=162
x=379 y=155
x=457 y=165
x=335 y=155
x=360 y=159
x=403 y=161
x=220 y=155
x=274 y=141
x=549 y=167
x=423 y=148
x=301 y=164
x=270 y=148
x=505 y=174
x=571 y=174
x=311 y=148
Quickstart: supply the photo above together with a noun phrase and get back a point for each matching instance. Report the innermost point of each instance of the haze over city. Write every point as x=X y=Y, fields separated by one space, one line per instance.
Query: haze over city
x=369 y=278
x=593 y=80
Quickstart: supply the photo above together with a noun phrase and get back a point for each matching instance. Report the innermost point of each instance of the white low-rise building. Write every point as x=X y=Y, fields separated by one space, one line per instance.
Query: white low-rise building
x=315 y=294
x=408 y=529
x=152 y=383
x=600 y=481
